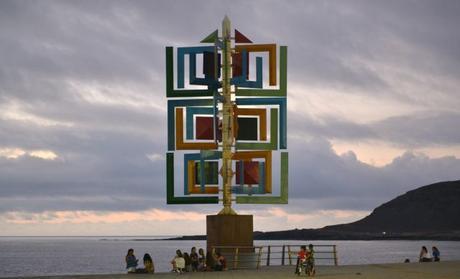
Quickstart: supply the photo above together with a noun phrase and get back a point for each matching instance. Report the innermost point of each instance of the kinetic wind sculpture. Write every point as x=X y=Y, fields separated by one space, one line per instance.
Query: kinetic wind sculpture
x=235 y=123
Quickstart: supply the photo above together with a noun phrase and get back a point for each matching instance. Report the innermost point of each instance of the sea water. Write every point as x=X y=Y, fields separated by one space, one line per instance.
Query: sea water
x=38 y=256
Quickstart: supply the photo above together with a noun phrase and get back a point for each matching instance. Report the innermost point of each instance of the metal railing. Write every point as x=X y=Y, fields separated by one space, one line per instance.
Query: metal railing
x=239 y=257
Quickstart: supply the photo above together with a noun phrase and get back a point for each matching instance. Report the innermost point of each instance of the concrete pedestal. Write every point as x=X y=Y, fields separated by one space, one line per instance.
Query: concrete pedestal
x=229 y=230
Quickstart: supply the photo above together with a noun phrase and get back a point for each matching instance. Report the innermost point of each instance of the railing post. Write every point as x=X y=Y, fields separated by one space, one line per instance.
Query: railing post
x=268 y=255
x=289 y=253
x=259 y=257
x=235 y=259
x=282 y=256
x=335 y=255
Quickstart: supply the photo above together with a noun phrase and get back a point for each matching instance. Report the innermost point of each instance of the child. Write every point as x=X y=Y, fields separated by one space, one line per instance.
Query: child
x=301 y=257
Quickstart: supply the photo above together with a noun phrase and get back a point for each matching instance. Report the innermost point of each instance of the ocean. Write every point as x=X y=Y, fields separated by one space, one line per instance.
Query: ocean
x=38 y=256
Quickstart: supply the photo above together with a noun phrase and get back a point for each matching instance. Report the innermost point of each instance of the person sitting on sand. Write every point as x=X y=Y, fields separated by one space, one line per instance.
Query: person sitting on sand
x=209 y=261
x=148 y=263
x=178 y=262
x=188 y=262
x=220 y=262
x=194 y=259
x=131 y=261
x=424 y=256
x=436 y=254
x=201 y=260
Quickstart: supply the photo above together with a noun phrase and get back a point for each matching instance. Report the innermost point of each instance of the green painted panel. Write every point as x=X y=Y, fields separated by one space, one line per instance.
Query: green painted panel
x=211 y=38
x=170 y=91
x=170 y=198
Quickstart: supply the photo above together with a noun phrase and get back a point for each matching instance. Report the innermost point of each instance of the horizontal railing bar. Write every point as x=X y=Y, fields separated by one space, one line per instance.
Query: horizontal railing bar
x=277 y=254
x=318 y=245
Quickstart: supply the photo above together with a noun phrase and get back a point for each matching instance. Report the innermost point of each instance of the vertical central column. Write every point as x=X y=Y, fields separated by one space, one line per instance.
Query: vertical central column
x=227 y=120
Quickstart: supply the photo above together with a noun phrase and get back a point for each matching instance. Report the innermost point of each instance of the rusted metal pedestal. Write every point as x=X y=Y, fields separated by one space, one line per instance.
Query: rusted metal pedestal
x=229 y=230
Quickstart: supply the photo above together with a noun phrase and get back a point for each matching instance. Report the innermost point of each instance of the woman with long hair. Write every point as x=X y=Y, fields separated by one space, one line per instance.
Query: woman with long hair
x=148 y=264
x=131 y=261
x=424 y=256
x=178 y=262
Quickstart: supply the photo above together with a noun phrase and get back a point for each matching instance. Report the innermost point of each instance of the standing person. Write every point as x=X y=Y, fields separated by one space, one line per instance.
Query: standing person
x=131 y=261
x=311 y=261
x=436 y=254
x=424 y=256
x=194 y=259
x=201 y=260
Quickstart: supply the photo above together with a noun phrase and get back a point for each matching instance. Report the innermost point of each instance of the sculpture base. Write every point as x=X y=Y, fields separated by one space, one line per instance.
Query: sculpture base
x=229 y=230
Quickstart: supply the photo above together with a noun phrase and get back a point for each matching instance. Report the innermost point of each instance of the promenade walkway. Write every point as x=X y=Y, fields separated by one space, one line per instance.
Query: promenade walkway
x=441 y=270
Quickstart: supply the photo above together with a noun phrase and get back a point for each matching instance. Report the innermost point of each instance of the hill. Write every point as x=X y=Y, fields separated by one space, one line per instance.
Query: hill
x=428 y=212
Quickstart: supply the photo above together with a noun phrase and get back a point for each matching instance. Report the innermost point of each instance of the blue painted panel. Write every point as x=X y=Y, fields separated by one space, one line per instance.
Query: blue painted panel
x=241 y=81
x=193 y=79
x=202 y=156
x=181 y=52
x=172 y=104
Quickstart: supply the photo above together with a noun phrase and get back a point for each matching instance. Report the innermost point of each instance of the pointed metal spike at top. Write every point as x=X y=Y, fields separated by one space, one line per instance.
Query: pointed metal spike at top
x=226 y=26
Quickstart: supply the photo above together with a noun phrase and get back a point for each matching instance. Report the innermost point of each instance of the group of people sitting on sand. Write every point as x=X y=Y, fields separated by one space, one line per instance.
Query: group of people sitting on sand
x=425 y=256
x=132 y=262
x=182 y=262
x=185 y=262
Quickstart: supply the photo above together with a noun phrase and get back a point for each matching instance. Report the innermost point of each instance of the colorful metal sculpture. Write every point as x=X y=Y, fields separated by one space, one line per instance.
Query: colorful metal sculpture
x=236 y=123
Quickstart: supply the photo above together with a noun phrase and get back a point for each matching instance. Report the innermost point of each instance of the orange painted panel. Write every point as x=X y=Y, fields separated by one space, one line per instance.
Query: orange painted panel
x=180 y=144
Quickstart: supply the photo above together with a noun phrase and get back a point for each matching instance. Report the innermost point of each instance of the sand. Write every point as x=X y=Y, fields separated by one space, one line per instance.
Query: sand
x=440 y=270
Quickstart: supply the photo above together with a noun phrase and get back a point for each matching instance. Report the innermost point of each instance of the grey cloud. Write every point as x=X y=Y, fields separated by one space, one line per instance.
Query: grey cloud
x=102 y=164
x=343 y=182
x=319 y=178
x=420 y=129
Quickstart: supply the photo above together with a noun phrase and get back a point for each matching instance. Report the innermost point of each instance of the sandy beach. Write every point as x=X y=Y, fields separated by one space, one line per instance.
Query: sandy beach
x=450 y=269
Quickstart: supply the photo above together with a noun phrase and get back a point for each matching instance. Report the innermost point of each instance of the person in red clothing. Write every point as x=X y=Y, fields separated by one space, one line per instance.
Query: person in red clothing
x=302 y=255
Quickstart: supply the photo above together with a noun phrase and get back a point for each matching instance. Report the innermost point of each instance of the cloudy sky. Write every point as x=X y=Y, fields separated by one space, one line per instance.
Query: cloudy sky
x=373 y=109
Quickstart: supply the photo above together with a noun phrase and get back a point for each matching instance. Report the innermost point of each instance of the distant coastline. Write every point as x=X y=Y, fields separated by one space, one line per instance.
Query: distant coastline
x=320 y=234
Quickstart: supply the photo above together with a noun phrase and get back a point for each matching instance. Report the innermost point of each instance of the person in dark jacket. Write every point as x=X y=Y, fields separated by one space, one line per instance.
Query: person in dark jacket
x=131 y=261
x=194 y=259
x=436 y=254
